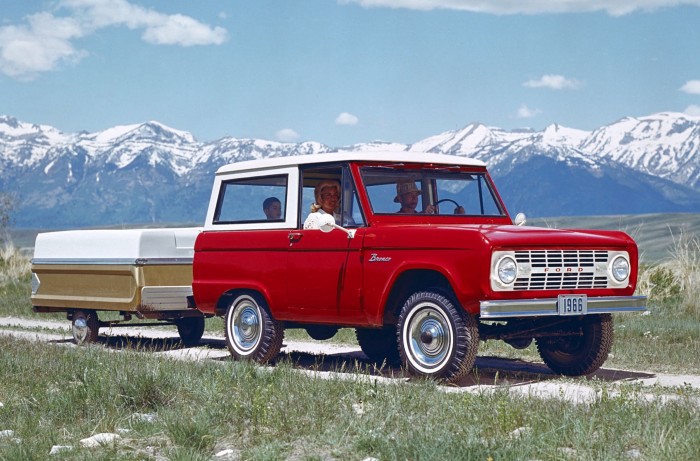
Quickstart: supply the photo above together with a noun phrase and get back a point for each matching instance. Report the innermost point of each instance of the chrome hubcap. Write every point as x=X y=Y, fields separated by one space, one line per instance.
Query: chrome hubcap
x=80 y=330
x=429 y=338
x=246 y=326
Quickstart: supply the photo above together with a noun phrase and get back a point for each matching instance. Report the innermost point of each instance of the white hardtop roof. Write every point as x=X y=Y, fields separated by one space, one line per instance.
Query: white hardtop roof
x=116 y=244
x=344 y=156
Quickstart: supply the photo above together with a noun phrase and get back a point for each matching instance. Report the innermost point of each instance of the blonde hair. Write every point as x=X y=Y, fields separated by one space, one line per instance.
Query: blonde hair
x=319 y=188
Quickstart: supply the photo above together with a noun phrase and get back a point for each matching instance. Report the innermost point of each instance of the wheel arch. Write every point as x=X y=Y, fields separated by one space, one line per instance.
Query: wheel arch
x=225 y=300
x=408 y=282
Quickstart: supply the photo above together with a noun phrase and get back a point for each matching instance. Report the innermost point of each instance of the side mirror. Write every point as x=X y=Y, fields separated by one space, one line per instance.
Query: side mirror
x=328 y=224
x=520 y=219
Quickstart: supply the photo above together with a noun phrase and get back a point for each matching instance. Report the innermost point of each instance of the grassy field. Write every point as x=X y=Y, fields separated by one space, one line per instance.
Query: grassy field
x=167 y=409
x=162 y=408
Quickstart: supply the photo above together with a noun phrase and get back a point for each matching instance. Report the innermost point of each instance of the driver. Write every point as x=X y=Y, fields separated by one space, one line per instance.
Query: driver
x=407 y=195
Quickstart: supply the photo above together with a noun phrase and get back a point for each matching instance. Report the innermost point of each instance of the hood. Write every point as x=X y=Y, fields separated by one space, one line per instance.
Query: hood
x=451 y=236
x=524 y=236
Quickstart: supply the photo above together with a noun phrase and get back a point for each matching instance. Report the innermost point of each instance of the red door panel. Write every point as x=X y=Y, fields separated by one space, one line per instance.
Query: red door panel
x=324 y=276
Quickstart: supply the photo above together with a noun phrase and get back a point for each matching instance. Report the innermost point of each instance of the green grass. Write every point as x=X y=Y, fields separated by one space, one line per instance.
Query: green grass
x=58 y=396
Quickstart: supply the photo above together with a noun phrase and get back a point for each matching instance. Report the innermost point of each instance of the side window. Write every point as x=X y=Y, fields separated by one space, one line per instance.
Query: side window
x=249 y=200
x=348 y=212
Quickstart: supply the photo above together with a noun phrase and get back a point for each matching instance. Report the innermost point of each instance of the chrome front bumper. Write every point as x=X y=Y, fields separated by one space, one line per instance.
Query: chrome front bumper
x=548 y=306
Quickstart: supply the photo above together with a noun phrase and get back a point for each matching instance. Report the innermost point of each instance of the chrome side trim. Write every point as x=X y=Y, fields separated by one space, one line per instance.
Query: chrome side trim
x=114 y=261
x=548 y=306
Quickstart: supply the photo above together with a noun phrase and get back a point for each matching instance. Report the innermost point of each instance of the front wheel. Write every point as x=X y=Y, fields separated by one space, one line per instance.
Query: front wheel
x=86 y=327
x=190 y=330
x=251 y=331
x=436 y=339
x=584 y=351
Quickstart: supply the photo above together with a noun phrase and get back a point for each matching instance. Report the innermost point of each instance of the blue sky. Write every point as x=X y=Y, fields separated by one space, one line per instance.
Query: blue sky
x=346 y=71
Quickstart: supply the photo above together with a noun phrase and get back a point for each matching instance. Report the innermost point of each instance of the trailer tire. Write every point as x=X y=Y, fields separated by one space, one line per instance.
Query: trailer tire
x=190 y=330
x=85 y=327
x=251 y=331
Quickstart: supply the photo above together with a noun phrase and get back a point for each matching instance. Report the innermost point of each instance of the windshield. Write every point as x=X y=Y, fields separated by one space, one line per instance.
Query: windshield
x=431 y=191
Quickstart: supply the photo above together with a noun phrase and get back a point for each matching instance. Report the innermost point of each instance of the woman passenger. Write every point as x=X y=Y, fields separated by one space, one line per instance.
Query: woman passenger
x=327 y=195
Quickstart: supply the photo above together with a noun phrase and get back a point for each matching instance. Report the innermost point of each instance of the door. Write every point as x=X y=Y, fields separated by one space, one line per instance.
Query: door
x=325 y=268
x=325 y=276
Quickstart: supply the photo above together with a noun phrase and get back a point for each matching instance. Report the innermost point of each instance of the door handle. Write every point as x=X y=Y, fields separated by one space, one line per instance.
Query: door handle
x=294 y=237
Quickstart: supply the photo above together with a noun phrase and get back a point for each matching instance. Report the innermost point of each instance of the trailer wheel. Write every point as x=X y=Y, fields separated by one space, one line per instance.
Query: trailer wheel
x=579 y=355
x=190 y=330
x=436 y=338
x=86 y=327
x=251 y=331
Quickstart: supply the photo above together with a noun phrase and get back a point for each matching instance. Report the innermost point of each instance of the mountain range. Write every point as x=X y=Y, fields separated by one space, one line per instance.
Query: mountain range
x=151 y=173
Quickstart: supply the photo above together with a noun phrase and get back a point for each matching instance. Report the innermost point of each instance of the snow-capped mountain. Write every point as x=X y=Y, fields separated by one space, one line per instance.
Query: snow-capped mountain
x=150 y=172
x=665 y=145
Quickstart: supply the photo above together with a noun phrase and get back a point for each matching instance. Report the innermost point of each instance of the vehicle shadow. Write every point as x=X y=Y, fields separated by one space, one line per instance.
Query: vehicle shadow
x=488 y=370
x=141 y=344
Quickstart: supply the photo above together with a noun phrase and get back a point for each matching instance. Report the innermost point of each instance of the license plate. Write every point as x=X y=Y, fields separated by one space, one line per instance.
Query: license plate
x=572 y=304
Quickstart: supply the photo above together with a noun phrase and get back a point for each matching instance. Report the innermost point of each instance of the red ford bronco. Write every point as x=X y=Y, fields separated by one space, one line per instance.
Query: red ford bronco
x=420 y=256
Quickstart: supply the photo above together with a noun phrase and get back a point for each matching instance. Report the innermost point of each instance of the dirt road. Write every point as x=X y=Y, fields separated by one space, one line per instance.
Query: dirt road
x=319 y=358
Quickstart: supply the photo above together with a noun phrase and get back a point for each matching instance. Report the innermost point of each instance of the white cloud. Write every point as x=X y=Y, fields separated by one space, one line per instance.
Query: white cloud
x=612 y=7
x=46 y=40
x=554 y=82
x=346 y=118
x=692 y=110
x=182 y=30
x=39 y=46
x=691 y=87
x=526 y=112
x=287 y=135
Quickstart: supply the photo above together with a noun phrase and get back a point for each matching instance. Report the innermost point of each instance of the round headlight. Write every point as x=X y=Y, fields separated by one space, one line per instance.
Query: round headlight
x=507 y=270
x=620 y=268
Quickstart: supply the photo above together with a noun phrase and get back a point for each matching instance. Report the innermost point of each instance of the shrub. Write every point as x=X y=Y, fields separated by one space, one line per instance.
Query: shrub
x=675 y=284
x=14 y=266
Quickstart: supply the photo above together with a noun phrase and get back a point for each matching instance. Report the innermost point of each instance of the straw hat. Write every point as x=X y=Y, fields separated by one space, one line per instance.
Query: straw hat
x=405 y=188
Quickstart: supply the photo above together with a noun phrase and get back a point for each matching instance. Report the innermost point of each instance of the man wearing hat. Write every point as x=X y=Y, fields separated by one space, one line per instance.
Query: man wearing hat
x=407 y=195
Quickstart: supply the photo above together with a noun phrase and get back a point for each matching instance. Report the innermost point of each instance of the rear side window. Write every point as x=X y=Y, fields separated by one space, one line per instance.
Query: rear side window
x=251 y=200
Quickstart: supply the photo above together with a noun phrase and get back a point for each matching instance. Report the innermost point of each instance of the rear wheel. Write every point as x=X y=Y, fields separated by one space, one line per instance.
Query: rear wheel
x=379 y=344
x=583 y=352
x=251 y=331
x=436 y=339
x=86 y=327
x=190 y=330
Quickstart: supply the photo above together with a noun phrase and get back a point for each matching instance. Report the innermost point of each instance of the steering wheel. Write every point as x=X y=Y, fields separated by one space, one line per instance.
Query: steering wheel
x=457 y=205
x=448 y=200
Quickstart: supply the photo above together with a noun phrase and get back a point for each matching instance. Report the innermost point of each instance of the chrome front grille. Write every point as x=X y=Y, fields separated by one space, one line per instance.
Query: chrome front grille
x=561 y=269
